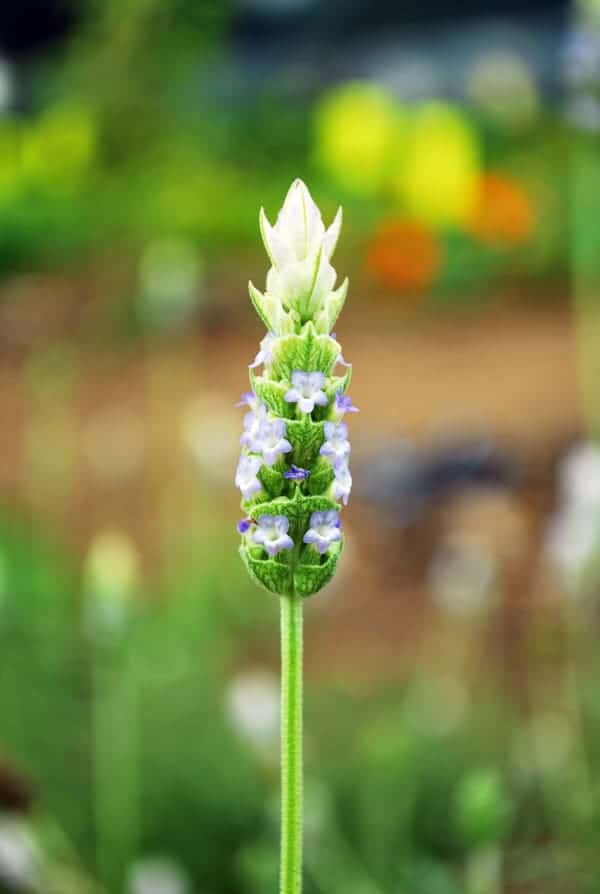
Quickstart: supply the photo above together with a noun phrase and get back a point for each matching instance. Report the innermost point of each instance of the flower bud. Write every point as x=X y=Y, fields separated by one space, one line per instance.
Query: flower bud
x=301 y=281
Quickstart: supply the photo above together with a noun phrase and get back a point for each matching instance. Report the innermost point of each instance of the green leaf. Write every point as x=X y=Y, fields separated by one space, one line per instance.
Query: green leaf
x=272 y=395
x=309 y=579
x=261 y=306
x=321 y=477
x=272 y=480
x=298 y=510
x=308 y=352
x=306 y=437
x=276 y=577
x=325 y=318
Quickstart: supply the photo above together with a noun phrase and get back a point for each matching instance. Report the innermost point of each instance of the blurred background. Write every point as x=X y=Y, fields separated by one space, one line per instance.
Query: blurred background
x=452 y=679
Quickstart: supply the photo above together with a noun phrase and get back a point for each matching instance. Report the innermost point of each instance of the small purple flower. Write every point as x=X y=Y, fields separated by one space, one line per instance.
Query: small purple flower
x=342 y=483
x=337 y=445
x=245 y=476
x=324 y=530
x=244 y=525
x=307 y=390
x=343 y=403
x=264 y=355
x=253 y=422
x=248 y=399
x=340 y=357
x=294 y=473
x=271 y=440
x=272 y=533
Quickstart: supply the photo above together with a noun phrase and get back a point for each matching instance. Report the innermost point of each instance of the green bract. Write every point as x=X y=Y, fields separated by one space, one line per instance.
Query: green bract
x=291 y=540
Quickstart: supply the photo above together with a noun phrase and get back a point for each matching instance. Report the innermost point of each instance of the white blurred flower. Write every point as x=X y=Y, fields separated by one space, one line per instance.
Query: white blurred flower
x=253 y=707
x=462 y=575
x=503 y=86
x=157 y=875
x=573 y=532
x=210 y=434
x=300 y=283
x=111 y=577
x=20 y=858
x=579 y=476
x=7 y=85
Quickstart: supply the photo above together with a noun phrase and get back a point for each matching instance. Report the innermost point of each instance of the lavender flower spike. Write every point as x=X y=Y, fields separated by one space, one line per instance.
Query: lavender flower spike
x=246 y=475
x=337 y=445
x=272 y=441
x=295 y=444
x=307 y=391
x=324 y=530
x=272 y=533
x=296 y=474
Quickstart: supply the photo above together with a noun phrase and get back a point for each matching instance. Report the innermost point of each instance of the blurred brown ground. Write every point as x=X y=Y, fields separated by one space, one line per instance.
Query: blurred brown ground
x=144 y=438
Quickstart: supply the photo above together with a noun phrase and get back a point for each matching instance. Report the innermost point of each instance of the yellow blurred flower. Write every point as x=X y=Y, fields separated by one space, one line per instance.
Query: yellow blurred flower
x=404 y=255
x=504 y=214
x=358 y=129
x=60 y=146
x=437 y=181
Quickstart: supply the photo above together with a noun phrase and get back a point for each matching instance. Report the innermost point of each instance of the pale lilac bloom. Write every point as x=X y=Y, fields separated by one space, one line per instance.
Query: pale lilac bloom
x=343 y=403
x=248 y=399
x=246 y=475
x=272 y=533
x=337 y=445
x=307 y=390
x=342 y=484
x=340 y=356
x=264 y=355
x=294 y=473
x=243 y=526
x=253 y=422
x=324 y=530
x=271 y=440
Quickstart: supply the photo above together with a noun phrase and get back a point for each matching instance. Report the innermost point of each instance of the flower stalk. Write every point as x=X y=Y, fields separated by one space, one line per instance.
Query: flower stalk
x=293 y=471
x=291 y=745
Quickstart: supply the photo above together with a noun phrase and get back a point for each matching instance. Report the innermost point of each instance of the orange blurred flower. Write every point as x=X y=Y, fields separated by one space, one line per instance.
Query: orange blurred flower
x=504 y=215
x=404 y=254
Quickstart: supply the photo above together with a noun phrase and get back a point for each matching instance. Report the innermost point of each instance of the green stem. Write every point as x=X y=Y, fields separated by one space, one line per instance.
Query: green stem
x=291 y=745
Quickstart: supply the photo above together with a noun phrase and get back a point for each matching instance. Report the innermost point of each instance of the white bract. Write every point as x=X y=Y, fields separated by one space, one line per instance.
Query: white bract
x=301 y=281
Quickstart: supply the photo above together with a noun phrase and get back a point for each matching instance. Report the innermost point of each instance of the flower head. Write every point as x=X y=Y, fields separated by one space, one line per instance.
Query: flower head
x=294 y=473
x=325 y=529
x=342 y=483
x=244 y=525
x=343 y=403
x=337 y=445
x=307 y=390
x=246 y=475
x=272 y=533
x=264 y=355
x=271 y=440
